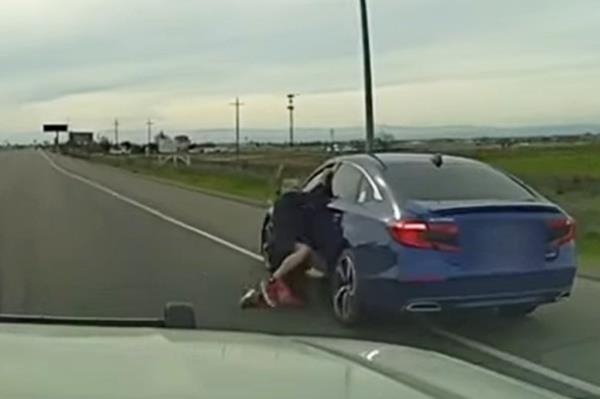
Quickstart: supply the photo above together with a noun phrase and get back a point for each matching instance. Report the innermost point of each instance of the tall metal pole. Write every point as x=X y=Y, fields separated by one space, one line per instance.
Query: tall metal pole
x=149 y=123
x=116 y=132
x=291 y=108
x=369 y=108
x=237 y=104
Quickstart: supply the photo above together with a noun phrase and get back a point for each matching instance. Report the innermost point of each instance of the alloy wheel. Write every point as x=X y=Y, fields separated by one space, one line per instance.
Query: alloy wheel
x=345 y=289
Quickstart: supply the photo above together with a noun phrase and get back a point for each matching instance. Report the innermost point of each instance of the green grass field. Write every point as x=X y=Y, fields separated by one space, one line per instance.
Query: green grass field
x=211 y=179
x=568 y=175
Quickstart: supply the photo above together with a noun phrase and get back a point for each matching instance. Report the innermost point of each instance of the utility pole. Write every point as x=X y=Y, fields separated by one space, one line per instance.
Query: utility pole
x=332 y=144
x=237 y=104
x=291 y=108
x=369 y=108
x=116 y=132
x=149 y=123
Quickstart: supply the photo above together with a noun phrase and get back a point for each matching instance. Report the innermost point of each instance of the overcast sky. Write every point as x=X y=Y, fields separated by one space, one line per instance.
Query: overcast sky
x=182 y=61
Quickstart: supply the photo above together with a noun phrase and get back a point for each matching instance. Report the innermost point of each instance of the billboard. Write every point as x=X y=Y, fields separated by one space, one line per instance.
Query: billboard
x=166 y=145
x=55 y=128
x=81 y=138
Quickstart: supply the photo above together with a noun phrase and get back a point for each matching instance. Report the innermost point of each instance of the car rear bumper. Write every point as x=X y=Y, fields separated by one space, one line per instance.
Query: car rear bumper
x=468 y=292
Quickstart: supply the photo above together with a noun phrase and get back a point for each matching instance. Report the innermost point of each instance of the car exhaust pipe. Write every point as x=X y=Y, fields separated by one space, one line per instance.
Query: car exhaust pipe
x=423 y=307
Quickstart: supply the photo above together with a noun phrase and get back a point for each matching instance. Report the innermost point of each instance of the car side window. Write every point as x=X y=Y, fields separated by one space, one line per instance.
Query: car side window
x=346 y=182
x=315 y=179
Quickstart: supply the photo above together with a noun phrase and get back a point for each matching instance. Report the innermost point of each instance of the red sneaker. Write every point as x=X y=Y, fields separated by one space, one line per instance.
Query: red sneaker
x=276 y=292
x=269 y=292
x=286 y=295
x=291 y=300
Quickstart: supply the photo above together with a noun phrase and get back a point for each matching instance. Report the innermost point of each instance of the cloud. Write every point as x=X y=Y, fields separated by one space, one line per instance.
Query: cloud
x=176 y=59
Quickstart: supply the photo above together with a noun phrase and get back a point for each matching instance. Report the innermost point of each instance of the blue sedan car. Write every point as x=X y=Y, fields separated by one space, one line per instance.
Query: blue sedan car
x=426 y=233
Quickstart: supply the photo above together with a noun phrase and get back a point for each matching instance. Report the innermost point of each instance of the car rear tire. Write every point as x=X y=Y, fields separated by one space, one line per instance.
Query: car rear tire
x=516 y=311
x=345 y=290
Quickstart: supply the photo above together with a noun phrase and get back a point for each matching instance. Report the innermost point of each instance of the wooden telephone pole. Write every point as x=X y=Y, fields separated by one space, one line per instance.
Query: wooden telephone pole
x=237 y=104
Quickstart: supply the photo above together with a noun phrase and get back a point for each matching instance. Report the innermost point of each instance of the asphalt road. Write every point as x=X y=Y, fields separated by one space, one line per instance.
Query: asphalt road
x=69 y=247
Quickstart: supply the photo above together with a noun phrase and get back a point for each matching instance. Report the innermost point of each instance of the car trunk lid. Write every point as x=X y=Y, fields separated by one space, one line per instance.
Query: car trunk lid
x=494 y=236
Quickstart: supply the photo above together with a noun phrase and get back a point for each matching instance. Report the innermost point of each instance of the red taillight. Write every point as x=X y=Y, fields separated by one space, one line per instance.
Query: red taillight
x=561 y=231
x=442 y=236
x=411 y=233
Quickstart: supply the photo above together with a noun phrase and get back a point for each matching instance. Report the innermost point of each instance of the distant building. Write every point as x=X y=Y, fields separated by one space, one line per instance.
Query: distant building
x=119 y=151
x=183 y=142
x=166 y=145
x=81 y=139
x=332 y=148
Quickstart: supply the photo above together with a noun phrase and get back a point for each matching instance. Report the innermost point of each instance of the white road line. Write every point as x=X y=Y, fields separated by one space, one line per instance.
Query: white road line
x=154 y=212
x=469 y=343
x=520 y=362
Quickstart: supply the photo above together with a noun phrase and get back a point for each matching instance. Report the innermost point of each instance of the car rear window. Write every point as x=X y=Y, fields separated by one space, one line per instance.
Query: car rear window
x=451 y=182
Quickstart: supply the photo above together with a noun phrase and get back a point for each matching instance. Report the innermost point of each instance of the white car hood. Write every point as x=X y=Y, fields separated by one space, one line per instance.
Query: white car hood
x=93 y=362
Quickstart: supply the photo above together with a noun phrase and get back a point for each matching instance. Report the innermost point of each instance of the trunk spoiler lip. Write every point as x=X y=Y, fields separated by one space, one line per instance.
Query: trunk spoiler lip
x=460 y=207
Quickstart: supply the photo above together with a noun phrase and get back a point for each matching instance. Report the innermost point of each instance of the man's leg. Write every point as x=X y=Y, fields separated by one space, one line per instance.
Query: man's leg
x=278 y=289
x=318 y=264
x=301 y=255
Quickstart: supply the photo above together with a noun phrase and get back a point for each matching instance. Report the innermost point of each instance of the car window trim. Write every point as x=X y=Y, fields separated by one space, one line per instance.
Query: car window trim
x=363 y=189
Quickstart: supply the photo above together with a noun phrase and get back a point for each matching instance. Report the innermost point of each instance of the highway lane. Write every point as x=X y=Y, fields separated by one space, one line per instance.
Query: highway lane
x=563 y=337
x=68 y=248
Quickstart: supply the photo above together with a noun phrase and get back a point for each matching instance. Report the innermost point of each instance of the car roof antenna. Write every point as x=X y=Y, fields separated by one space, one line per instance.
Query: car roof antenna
x=437 y=160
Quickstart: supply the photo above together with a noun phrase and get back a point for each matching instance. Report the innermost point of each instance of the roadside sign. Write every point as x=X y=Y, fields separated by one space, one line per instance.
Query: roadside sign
x=166 y=145
x=81 y=138
x=55 y=128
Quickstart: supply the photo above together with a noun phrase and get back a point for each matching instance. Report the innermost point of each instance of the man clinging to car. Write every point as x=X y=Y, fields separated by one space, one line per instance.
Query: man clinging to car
x=300 y=240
